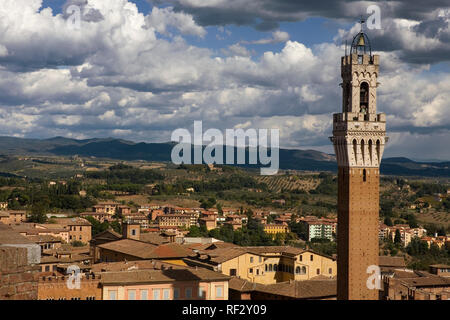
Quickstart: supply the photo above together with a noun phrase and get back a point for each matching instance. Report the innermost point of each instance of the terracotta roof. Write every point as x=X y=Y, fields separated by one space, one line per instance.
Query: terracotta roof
x=94 y=214
x=107 y=233
x=43 y=238
x=306 y=289
x=222 y=255
x=154 y=238
x=387 y=261
x=10 y=236
x=146 y=250
x=440 y=266
x=426 y=281
x=133 y=265
x=14 y=212
x=217 y=245
x=72 y=221
x=161 y=276
x=275 y=249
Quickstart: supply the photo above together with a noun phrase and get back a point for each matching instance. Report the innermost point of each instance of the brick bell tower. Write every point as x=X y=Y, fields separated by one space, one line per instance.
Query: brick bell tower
x=359 y=136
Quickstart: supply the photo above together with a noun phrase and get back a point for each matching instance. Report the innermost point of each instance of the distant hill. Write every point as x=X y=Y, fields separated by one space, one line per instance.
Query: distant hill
x=126 y=150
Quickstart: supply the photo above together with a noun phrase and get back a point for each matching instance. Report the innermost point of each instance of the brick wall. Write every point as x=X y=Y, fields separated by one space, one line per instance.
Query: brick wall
x=56 y=288
x=18 y=280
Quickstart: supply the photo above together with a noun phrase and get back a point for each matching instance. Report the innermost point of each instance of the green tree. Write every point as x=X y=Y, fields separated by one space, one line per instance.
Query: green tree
x=398 y=237
x=388 y=221
x=38 y=213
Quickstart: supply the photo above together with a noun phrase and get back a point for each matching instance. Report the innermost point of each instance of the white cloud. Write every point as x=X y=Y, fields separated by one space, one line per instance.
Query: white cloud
x=127 y=80
x=277 y=37
x=162 y=19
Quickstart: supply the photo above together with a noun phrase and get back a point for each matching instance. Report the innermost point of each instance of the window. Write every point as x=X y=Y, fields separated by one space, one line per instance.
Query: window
x=257 y=272
x=144 y=294
x=304 y=270
x=156 y=294
x=188 y=293
x=251 y=259
x=47 y=268
x=312 y=257
x=250 y=270
x=364 y=97
x=219 y=291
x=81 y=228
x=301 y=258
x=201 y=293
x=260 y=259
x=166 y=294
x=318 y=271
x=297 y=270
x=275 y=267
x=131 y=294
x=81 y=238
x=112 y=294
x=133 y=232
x=266 y=268
x=176 y=293
x=270 y=267
x=232 y=272
x=330 y=270
x=364 y=175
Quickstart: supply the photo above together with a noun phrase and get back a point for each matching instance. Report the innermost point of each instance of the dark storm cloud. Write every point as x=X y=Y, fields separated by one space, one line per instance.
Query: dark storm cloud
x=249 y=12
x=266 y=15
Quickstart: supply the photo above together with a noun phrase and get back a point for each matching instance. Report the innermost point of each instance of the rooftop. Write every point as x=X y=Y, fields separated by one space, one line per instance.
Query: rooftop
x=306 y=289
x=144 y=250
x=161 y=276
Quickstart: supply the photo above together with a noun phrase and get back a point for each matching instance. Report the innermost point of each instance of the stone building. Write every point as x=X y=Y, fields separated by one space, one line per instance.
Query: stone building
x=265 y=265
x=19 y=259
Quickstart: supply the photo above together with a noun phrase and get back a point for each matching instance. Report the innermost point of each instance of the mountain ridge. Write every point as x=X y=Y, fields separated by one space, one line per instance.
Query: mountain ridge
x=112 y=148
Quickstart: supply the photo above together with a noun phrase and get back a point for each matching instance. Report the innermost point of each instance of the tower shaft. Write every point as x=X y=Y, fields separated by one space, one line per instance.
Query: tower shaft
x=358 y=139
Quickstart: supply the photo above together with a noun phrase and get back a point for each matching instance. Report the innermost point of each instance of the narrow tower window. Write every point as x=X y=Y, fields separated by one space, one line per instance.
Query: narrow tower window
x=355 y=150
x=364 y=98
x=347 y=95
x=378 y=151
x=364 y=175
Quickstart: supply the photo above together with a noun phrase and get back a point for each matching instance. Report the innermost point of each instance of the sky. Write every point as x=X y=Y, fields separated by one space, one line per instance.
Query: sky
x=138 y=70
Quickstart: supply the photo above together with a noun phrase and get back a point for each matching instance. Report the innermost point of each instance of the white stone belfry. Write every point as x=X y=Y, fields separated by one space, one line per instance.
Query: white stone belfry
x=359 y=133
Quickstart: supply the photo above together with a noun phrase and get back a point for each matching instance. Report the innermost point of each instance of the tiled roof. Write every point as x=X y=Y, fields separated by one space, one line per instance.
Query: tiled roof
x=440 y=266
x=306 y=289
x=227 y=252
x=43 y=238
x=145 y=250
x=387 y=261
x=153 y=238
x=221 y=255
x=158 y=276
x=9 y=236
x=133 y=265
x=426 y=281
x=72 y=221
